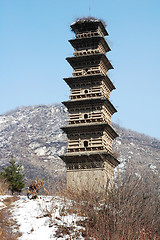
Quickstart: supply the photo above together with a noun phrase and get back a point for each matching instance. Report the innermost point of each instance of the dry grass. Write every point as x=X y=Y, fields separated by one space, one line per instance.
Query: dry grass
x=3 y=186
x=129 y=212
x=6 y=222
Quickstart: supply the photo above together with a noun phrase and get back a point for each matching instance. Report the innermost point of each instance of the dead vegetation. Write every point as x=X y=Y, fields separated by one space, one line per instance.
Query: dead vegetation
x=6 y=222
x=34 y=188
x=129 y=212
x=3 y=186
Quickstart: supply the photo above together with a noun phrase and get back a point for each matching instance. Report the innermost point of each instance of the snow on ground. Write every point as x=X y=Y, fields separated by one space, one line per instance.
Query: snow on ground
x=45 y=219
x=2 y=198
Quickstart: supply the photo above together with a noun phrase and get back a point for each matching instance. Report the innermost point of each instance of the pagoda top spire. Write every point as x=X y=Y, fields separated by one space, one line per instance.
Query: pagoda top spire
x=88 y=24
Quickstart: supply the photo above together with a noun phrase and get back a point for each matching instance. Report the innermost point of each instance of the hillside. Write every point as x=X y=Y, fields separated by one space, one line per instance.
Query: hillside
x=32 y=135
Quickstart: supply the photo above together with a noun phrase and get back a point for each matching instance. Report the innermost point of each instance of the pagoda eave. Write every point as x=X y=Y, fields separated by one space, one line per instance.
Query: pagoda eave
x=89 y=156
x=97 y=39
x=93 y=77
x=91 y=127
x=98 y=100
x=73 y=61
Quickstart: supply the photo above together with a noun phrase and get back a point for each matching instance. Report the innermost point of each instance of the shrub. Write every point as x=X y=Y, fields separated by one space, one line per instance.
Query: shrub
x=34 y=188
x=130 y=210
x=12 y=174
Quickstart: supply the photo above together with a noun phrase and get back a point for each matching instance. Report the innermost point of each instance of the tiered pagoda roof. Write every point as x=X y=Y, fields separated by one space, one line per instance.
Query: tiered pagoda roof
x=90 y=53
x=93 y=77
x=89 y=60
x=94 y=41
x=91 y=101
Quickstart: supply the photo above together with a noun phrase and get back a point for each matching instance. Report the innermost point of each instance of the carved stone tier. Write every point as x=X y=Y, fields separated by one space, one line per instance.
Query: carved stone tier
x=90 y=110
x=92 y=45
x=95 y=85
x=72 y=81
x=90 y=137
x=91 y=101
x=90 y=128
x=89 y=61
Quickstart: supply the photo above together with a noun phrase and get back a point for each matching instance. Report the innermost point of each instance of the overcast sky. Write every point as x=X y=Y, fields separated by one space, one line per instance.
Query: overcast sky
x=34 y=43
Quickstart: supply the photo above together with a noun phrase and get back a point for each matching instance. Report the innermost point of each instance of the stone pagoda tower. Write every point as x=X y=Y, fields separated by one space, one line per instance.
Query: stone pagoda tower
x=89 y=160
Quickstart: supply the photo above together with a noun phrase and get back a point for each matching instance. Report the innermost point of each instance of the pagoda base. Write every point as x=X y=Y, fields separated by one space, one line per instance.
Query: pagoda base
x=90 y=171
x=95 y=180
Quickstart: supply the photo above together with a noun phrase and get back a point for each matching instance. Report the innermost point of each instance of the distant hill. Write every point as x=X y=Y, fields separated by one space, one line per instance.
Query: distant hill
x=32 y=135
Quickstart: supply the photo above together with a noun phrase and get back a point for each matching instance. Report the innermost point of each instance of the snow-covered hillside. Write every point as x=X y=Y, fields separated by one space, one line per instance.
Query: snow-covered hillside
x=32 y=135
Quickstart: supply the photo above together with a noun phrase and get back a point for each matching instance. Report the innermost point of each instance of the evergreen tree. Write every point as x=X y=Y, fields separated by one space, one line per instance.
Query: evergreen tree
x=14 y=177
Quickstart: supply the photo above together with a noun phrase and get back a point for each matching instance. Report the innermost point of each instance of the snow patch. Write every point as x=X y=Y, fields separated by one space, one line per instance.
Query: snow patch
x=39 y=219
x=41 y=151
x=118 y=142
x=2 y=198
x=132 y=144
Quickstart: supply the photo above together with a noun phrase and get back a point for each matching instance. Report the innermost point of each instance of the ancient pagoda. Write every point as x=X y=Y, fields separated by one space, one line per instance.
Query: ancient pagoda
x=89 y=160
